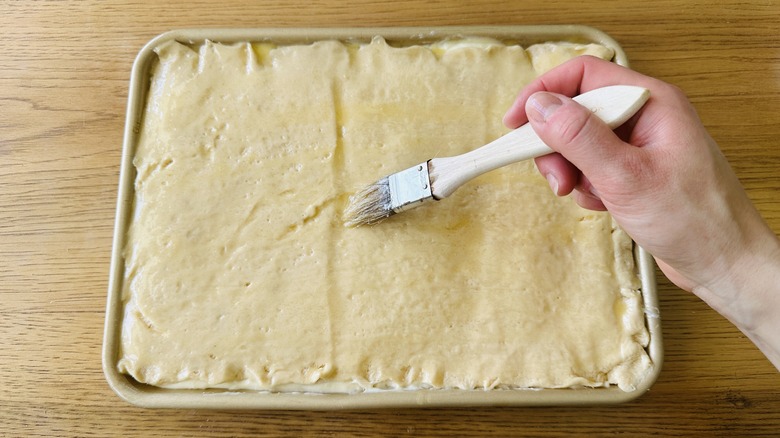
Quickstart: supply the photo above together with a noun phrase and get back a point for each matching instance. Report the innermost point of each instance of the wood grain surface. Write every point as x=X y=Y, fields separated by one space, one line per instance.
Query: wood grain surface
x=64 y=71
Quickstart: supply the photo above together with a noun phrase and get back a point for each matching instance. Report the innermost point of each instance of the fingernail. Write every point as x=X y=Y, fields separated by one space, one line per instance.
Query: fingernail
x=544 y=105
x=553 y=181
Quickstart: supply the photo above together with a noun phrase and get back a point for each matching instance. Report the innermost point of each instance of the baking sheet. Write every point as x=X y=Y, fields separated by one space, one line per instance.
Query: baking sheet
x=154 y=397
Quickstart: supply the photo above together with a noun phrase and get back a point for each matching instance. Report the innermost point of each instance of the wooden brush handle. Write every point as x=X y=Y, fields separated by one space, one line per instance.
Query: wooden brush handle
x=614 y=105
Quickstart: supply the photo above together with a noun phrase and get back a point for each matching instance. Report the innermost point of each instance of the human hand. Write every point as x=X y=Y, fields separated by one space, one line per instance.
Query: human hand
x=663 y=179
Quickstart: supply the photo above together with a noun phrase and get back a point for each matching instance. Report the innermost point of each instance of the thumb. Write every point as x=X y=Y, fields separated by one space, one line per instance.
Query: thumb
x=577 y=134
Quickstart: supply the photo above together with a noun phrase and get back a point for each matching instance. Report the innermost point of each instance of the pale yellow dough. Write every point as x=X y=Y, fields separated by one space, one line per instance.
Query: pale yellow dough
x=240 y=273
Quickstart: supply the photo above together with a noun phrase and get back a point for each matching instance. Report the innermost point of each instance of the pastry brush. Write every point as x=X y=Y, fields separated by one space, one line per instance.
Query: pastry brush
x=440 y=177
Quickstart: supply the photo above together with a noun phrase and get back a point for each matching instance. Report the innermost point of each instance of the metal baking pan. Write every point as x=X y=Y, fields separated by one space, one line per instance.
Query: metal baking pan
x=153 y=397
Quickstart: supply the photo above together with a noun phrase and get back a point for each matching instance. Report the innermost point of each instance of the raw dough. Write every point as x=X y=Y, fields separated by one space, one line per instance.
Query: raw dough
x=240 y=273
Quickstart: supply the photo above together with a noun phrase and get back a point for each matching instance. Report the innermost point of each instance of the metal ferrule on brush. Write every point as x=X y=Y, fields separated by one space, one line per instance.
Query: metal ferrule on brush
x=410 y=187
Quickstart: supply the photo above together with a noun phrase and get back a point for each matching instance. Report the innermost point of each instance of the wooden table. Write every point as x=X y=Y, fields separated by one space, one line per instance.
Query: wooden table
x=64 y=70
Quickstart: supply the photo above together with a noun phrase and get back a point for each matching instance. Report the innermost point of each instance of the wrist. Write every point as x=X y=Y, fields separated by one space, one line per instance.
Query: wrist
x=749 y=295
x=745 y=283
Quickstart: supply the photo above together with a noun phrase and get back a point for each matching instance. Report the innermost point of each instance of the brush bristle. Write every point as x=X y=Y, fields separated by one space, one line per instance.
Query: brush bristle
x=370 y=205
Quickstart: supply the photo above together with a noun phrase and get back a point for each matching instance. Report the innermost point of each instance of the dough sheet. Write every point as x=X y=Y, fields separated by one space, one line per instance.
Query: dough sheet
x=239 y=271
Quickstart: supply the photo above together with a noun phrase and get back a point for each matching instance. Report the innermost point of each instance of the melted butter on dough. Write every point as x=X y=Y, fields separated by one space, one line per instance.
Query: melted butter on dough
x=240 y=274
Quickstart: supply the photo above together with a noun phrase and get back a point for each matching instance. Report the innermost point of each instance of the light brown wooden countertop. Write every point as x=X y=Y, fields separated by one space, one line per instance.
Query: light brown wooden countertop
x=64 y=71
